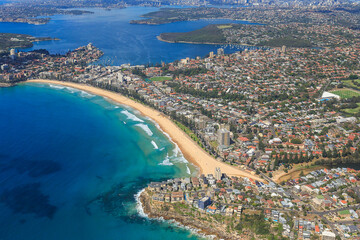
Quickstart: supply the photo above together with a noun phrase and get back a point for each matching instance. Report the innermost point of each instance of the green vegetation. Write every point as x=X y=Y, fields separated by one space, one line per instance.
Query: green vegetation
x=286 y=41
x=214 y=144
x=189 y=133
x=353 y=110
x=257 y=224
x=296 y=141
x=346 y=93
x=13 y=40
x=180 y=207
x=186 y=72
x=160 y=79
x=351 y=84
x=215 y=34
x=344 y=212
x=208 y=34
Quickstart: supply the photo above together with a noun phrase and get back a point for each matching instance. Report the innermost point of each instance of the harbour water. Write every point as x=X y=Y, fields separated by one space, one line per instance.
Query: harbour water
x=121 y=41
x=71 y=164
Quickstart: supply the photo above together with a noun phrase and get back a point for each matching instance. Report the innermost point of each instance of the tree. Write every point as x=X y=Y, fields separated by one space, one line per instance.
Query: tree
x=296 y=141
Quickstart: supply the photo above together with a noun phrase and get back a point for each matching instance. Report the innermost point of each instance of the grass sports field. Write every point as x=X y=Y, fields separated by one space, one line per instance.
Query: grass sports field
x=346 y=93
x=160 y=78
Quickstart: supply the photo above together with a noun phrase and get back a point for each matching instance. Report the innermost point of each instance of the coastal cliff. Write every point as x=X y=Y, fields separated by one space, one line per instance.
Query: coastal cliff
x=203 y=223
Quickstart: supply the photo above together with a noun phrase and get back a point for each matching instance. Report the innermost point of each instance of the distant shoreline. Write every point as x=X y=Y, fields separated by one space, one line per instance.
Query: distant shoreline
x=208 y=43
x=191 y=150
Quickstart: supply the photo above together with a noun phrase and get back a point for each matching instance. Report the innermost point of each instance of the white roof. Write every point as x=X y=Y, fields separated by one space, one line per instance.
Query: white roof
x=328 y=234
x=329 y=95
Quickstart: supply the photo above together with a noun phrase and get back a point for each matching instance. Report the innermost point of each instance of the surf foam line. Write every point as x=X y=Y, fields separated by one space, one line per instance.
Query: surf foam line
x=154 y=144
x=176 y=150
x=145 y=128
x=131 y=116
x=72 y=90
x=139 y=207
x=56 y=86
x=166 y=161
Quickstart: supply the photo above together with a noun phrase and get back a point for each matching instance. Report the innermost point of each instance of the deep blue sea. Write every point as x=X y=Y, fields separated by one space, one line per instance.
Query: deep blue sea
x=121 y=41
x=71 y=163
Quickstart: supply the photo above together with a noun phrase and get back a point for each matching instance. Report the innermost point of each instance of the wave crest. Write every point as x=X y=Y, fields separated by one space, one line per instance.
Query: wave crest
x=145 y=128
x=131 y=116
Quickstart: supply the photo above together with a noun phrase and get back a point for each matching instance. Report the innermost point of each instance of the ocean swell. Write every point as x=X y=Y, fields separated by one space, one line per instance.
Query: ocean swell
x=131 y=116
x=145 y=128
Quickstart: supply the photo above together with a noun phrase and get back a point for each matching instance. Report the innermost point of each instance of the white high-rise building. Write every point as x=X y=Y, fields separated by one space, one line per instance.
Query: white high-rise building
x=12 y=52
x=90 y=47
x=218 y=173
x=120 y=77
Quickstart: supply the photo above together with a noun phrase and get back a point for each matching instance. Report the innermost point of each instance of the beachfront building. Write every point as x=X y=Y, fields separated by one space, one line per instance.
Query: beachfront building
x=218 y=173
x=327 y=235
x=224 y=137
x=204 y=202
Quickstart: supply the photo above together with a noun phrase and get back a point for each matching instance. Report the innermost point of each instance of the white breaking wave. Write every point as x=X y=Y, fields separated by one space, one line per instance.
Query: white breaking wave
x=56 y=86
x=188 y=169
x=131 y=116
x=72 y=90
x=139 y=207
x=154 y=144
x=145 y=128
x=166 y=162
x=161 y=149
x=86 y=94
x=179 y=157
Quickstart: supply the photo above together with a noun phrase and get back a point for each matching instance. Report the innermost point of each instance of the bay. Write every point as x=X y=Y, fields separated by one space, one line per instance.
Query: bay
x=121 y=41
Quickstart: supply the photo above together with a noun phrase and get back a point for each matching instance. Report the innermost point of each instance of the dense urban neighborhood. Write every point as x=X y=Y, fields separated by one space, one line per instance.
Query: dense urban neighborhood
x=324 y=203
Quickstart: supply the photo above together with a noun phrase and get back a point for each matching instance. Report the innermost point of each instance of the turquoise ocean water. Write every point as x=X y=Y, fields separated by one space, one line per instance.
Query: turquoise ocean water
x=71 y=164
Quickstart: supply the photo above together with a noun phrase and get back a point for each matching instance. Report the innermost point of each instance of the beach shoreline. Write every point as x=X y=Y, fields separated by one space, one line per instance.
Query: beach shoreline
x=191 y=150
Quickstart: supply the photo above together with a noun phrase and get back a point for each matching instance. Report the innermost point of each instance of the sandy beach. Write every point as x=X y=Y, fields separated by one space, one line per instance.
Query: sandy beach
x=192 y=152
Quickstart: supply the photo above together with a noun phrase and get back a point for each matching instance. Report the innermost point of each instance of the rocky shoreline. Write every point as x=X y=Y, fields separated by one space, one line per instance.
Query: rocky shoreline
x=4 y=85
x=165 y=211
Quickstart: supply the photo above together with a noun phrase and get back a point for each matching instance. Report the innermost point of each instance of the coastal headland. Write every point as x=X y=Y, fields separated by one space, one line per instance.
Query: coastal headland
x=192 y=152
